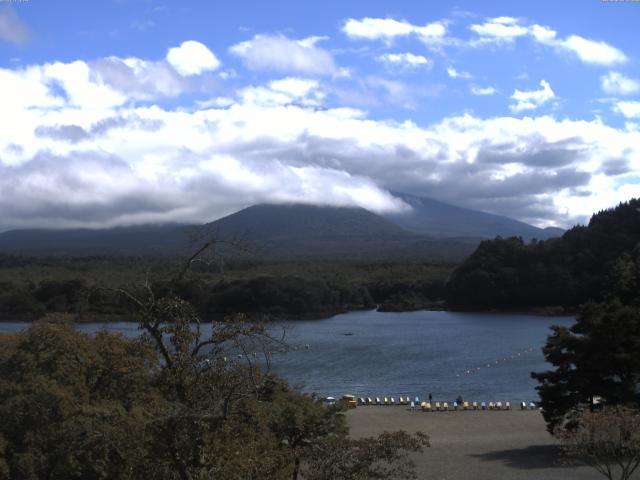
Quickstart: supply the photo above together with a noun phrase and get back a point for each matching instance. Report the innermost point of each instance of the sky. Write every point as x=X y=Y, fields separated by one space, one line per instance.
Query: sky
x=124 y=112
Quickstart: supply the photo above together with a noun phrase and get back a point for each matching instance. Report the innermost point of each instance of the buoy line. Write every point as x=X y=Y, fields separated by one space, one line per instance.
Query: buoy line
x=490 y=364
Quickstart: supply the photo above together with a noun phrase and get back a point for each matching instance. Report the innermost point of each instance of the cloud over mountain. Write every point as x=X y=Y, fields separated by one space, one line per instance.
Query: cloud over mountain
x=432 y=107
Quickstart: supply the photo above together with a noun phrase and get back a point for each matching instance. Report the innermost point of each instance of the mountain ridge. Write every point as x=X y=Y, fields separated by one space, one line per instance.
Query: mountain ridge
x=294 y=232
x=441 y=219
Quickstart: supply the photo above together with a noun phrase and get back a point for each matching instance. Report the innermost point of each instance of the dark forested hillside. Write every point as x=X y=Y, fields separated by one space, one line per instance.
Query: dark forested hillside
x=432 y=231
x=291 y=232
x=296 y=221
x=565 y=271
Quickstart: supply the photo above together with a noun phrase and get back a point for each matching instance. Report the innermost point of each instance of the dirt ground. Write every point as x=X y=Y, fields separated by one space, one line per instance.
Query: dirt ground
x=475 y=445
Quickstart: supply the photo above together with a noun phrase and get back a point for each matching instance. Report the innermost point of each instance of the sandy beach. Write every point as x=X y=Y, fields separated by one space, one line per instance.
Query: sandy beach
x=482 y=445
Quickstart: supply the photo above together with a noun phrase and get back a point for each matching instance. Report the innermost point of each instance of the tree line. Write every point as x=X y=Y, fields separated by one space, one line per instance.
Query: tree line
x=282 y=291
x=507 y=273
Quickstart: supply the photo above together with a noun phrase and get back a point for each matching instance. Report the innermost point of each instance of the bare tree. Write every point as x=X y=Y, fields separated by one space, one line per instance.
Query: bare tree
x=607 y=440
x=205 y=372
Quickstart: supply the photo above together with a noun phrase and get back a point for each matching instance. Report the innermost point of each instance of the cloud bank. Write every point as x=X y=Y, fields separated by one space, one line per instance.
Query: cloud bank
x=114 y=162
x=120 y=141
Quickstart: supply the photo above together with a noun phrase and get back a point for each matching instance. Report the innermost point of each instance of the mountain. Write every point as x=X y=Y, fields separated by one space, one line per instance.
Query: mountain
x=308 y=232
x=438 y=219
x=432 y=231
x=296 y=221
x=264 y=232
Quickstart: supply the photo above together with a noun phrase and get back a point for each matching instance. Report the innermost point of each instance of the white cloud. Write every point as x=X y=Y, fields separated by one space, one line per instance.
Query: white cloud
x=192 y=58
x=615 y=83
x=408 y=60
x=376 y=28
x=279 y=53
x=630 y=109
x=286 y=91
x=216 y=102
x=543 y=34
x=483 y=91
x=21 y=89
x=453 y=73
x=590 y=51
x=83 y=86
x=387 y=29
x=114 y=81
x=507 y=29
x=115 y=162
x=99 y=84
x=504 y=20
x=530 y=100
x=12 y=29
x=296 y=87
x=500 y=29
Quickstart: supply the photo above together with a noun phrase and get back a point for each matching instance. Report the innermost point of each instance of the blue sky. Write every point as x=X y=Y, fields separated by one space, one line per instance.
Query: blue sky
x=129 y=111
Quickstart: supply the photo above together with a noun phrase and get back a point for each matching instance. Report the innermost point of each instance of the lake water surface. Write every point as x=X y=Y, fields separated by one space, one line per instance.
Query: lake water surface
x=481 y=356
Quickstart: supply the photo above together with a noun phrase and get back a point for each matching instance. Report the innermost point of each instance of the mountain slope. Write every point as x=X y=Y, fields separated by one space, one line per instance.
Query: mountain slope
x=432 y=231
x=296 y=221
x=267 y=232
x=438 y=219
x=308 y=232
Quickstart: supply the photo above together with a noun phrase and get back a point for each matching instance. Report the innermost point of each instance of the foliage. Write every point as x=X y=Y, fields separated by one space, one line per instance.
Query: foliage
x=73 y=406
x=171 y=404
x=31 y=287
x=301 y=423
x=566 y=271
x=365 y=458
x=598 y=357
x=607 y=440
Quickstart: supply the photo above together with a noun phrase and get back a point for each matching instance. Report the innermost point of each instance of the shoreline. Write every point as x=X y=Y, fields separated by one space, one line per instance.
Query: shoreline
x=114 y=318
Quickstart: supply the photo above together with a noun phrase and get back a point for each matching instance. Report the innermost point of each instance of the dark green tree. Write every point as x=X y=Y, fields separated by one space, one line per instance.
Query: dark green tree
x=566 y=271
x=599 y=356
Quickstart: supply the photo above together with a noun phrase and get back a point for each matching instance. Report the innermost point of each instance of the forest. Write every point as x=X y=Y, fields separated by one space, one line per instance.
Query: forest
x=89 y=287
x=564 y=272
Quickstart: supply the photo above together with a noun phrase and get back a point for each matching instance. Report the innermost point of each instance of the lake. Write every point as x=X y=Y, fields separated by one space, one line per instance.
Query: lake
x=481 y=356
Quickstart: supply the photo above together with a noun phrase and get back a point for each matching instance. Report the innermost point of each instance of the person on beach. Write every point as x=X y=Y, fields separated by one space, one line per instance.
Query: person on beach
x=430 y=398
